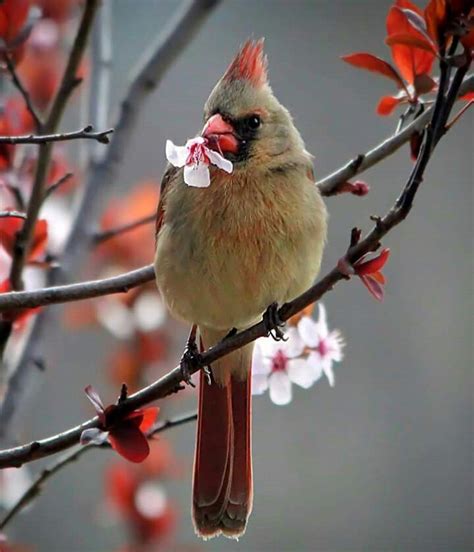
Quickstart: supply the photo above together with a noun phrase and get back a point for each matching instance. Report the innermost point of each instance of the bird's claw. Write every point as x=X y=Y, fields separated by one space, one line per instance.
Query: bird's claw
x=273 y=323
x=208 y=374
x=190 y=359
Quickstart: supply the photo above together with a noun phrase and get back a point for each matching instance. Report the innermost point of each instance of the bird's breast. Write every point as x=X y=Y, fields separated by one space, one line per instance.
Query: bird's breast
x=226 y=252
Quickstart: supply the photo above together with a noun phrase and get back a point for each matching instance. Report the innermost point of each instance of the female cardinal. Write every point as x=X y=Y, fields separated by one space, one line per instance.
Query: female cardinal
x=224 y=253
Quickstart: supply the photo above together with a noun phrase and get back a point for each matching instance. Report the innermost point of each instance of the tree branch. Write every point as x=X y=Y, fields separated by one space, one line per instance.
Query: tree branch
x=76 y=292
x=330 y=185
x=26 y=97
x=105 y=235
x=36 y=486
x=86 y=133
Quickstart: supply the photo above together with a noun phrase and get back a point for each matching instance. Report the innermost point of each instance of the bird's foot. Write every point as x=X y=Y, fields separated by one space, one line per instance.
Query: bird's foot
x=191 y=358
x=208 y=375
x=273 y=323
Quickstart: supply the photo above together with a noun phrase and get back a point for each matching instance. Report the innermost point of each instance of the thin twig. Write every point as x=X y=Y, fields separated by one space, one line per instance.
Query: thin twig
x=105 y=235
x=330 y=184
x=173 y=380
x=459 y=114
x=36 y=486
x=76 y=292
x=58 y=184
x=86 y=133
x=26 y=97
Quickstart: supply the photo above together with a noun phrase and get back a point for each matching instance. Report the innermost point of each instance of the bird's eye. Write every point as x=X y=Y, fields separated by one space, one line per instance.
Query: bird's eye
x=254 y=122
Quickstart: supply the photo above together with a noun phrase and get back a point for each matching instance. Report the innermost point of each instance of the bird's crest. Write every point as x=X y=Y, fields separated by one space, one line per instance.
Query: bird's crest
x=249 y=64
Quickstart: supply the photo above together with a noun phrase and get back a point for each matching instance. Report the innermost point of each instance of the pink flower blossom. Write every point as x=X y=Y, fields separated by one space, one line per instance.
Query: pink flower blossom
x=196 y=157
x=308 y=352
x=325 y=347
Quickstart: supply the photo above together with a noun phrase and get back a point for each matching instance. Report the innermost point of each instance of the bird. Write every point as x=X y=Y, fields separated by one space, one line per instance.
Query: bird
x=225 y=253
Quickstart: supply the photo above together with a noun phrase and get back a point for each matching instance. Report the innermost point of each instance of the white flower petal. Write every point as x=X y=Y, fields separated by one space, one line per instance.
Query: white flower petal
x=261 y=364
x=150 y=500
x=176 y=155
x=322 y=324
x=195 y=140
x=294 y=345
x=149 y=311
x=300 y=372
x=14 y=482
x=280 y=388
x=259 y=384
x=308 y=330
x=315 y=364
x=93 y=436
x=328 y=371
x=59 y=216
x=197 y=175
x=219 y=161
x=115 y=317
x=268 y=346
x=335 y=344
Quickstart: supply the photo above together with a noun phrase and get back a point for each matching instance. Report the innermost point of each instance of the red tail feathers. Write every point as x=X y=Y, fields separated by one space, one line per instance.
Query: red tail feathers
x=222 y=488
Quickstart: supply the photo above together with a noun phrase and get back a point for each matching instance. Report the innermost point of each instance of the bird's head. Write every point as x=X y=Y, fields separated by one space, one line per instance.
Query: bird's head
x=243 y=119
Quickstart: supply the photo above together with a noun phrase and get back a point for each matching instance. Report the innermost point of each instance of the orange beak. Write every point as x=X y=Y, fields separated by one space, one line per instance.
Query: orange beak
x=220 y=135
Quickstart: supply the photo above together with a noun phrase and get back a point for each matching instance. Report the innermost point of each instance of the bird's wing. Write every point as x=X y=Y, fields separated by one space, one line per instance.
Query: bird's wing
x=170 y=174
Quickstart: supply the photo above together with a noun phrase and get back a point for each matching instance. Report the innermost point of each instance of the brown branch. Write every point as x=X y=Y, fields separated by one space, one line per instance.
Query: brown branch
x=86 y=133
x=26 y=96
x=172 y=381
x=76 y=292
x=60 y=182
x=330 y=185
x=105 y=235
x=36 y=486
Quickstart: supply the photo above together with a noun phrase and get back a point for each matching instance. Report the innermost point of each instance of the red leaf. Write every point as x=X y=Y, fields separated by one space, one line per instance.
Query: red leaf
x=435 y=17
x=40 y=238
x=407 y=5
x=387 y=104
x=13 y=14
x=129 y=441
x=379 y=277
x=363 y=60
x=410 y=61
x=373 y=265
x=375 y=289
x=410 y=40
x=9 y=227
x=469 y=97
x=149 y=418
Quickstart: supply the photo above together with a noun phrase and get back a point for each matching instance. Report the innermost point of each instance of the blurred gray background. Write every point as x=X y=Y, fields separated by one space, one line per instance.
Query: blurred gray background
x=382 y=462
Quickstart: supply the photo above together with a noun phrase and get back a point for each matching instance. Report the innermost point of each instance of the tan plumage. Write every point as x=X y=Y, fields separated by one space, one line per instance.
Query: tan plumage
x=226 y=252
